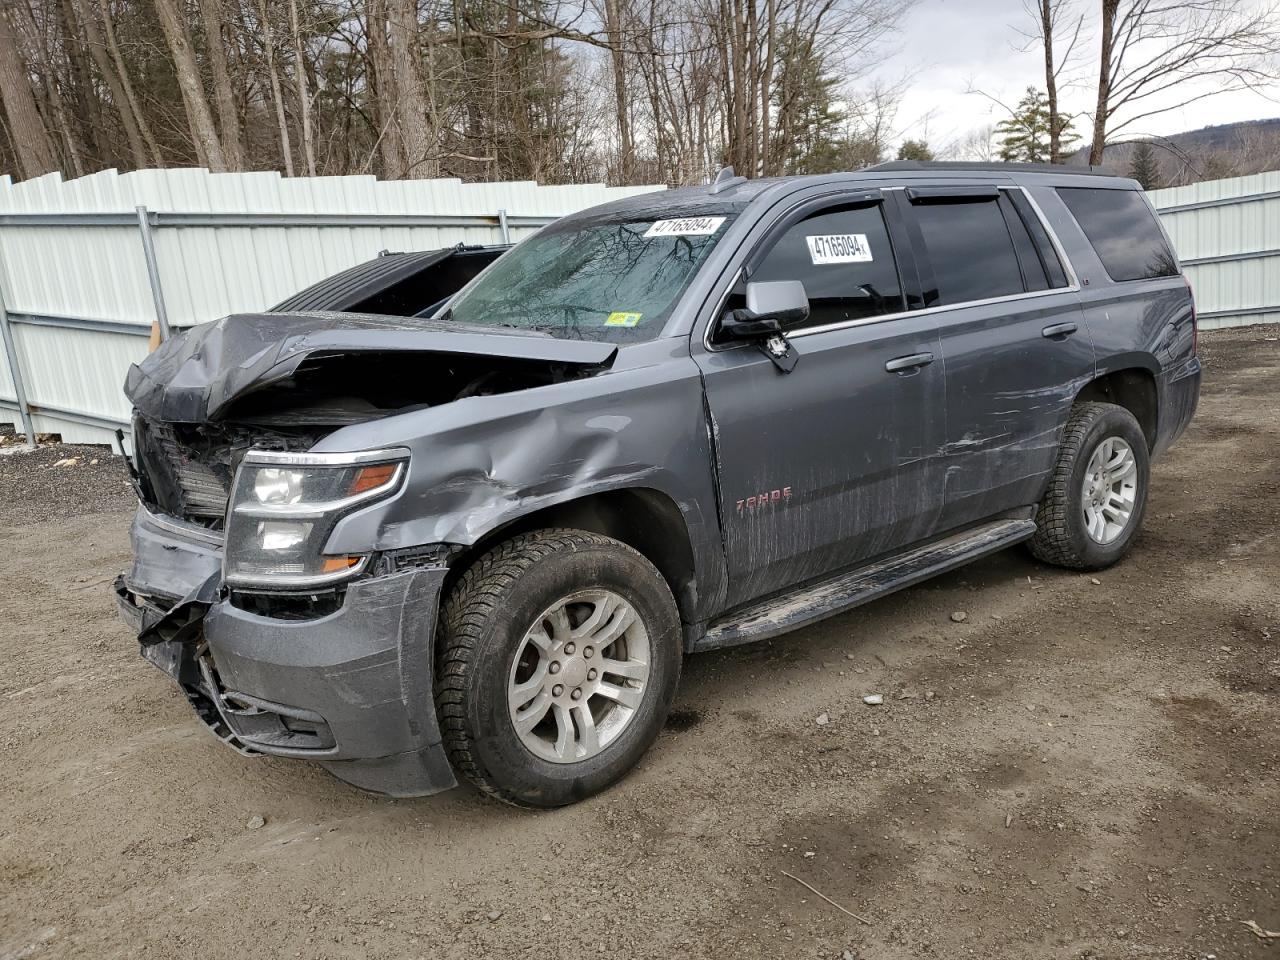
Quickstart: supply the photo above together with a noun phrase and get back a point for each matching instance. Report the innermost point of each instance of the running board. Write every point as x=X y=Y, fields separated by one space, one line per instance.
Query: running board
x=781 y=614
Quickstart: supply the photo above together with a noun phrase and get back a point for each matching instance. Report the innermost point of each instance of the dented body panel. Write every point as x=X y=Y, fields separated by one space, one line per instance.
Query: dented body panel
x=195 y=377
x=857 y=471
x=1009 y=394
x=771 y=492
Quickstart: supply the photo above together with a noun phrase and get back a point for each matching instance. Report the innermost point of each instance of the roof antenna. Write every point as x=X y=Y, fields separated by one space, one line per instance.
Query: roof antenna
x=725 y=179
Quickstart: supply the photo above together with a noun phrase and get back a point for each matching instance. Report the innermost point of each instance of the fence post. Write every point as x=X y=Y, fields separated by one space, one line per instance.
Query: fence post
x=502 y=225
x=153 y=271
x=19 y=388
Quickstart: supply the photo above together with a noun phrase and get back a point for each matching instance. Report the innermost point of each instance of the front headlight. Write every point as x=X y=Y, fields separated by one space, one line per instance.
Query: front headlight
x=284 y=506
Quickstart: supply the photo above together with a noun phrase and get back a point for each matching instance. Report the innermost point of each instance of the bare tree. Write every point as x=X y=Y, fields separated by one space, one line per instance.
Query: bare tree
x=31 y=141
x=632 y=91
x=412 y=113
x=277 y=93
x=102 y=60
x=613 y=24
x=382 y=82
x=304 y=99
x=1151 y=48
x=76 y=79
x=1048 y=17
x=199 y=116
x=978 y=144
x=212 y=17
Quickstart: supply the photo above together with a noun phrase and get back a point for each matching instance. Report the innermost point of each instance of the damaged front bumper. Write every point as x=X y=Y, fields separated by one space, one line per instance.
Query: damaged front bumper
x=351 y=690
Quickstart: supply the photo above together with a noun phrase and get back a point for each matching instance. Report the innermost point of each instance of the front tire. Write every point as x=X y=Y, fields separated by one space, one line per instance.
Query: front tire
x=558 y=659
x=1098 y=492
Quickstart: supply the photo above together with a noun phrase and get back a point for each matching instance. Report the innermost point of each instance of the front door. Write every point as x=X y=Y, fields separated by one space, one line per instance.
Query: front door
x=836 y=461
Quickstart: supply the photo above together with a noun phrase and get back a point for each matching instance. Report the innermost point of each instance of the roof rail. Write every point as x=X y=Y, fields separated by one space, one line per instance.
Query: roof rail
x=979 y=166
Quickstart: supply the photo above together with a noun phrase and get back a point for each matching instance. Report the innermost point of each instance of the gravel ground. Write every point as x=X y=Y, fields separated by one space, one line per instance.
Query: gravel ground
x=1085 y=767
x=59 y=480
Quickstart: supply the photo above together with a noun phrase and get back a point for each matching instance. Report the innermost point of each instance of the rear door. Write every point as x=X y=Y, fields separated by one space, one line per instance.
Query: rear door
x=1016 y=347
x=835 y=461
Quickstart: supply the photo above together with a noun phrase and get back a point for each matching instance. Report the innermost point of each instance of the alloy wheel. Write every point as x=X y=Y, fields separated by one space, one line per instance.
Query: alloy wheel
x=1110 y=490
x=579 y=676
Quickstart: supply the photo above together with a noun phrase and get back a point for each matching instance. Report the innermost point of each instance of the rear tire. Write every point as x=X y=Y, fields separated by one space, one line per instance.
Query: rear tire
x=1098 y=491
x=558 y=659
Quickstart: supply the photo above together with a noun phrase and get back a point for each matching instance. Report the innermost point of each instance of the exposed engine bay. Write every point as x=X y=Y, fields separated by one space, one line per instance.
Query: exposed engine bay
x=284 y=379
x=187 y=468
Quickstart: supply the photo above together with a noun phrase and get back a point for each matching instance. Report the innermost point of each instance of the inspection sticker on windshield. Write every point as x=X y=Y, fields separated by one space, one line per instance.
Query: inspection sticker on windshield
x=622 y=319
x=685 y=227
x=840 y=248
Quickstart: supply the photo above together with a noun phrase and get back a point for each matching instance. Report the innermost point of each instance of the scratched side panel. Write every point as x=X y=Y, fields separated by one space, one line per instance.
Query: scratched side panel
x=830 y=464
x=1137 y=325
x=482 y=462
x=1009 y=393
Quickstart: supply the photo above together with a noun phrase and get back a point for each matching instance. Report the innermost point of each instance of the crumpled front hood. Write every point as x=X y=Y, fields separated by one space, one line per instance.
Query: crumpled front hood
x=195 y=375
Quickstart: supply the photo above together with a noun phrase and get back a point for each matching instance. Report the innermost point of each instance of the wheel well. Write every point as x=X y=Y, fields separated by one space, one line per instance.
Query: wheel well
x=1135 y=390
x=645 y=520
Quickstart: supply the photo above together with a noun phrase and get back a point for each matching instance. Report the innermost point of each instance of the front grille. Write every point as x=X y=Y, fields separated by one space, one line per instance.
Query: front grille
x=204 y=491
x=185 y=473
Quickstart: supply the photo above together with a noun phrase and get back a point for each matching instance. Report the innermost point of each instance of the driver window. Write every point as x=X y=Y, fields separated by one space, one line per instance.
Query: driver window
x=845 y=261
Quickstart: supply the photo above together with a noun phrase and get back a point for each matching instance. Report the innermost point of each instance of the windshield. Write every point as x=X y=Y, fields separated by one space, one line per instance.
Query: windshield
x=613 y=279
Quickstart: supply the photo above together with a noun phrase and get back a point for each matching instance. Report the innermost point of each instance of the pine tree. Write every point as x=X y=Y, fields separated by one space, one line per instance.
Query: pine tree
x=914 y=150
x=1025 y=136
x=807 y=138
x=1144 y=167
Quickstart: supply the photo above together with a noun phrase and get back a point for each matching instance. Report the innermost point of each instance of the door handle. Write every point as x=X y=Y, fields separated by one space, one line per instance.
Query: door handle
x=1061 y=331
x=912 y=362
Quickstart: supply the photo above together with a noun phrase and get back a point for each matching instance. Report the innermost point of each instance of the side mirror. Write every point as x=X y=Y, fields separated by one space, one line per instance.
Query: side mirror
x=771 y=307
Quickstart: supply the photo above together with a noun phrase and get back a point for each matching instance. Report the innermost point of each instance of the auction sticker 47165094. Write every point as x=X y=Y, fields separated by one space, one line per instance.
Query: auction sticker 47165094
x=839 y=248
x=685 y=227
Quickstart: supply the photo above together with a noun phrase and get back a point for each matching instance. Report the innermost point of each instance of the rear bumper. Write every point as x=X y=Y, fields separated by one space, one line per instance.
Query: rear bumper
x=351 y=690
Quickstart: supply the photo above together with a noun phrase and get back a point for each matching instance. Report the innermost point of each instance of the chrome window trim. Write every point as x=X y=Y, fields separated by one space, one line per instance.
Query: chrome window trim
x=311 y=459
x=1073 y=286
x=927 y=311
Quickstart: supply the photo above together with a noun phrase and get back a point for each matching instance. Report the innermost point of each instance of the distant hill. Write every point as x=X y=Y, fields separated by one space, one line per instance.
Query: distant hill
x=1223 y=150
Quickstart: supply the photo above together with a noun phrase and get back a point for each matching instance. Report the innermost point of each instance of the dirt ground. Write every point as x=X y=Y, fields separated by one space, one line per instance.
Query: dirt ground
x=1083 y=767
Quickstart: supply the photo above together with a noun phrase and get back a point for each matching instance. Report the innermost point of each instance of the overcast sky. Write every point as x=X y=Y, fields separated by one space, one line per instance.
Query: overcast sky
x=948 y=46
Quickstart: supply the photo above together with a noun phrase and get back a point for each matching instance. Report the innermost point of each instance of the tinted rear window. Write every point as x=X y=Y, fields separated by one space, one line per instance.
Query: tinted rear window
x=1123 y=231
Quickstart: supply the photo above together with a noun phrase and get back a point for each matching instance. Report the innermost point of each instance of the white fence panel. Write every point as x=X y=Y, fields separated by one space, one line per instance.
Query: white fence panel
x=80 y=302
x=1227 y=234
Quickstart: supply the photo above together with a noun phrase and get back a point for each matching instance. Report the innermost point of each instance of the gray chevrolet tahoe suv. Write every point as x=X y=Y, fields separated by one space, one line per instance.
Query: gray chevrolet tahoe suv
x=462 y=513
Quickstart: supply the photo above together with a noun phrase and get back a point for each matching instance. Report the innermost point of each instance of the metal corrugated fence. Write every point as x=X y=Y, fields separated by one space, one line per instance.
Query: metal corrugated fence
x=80 y=294
x=80 y=298
x=1227 y=234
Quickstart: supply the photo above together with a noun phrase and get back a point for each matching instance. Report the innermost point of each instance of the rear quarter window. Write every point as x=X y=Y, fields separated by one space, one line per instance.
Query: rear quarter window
x=1123 y=231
